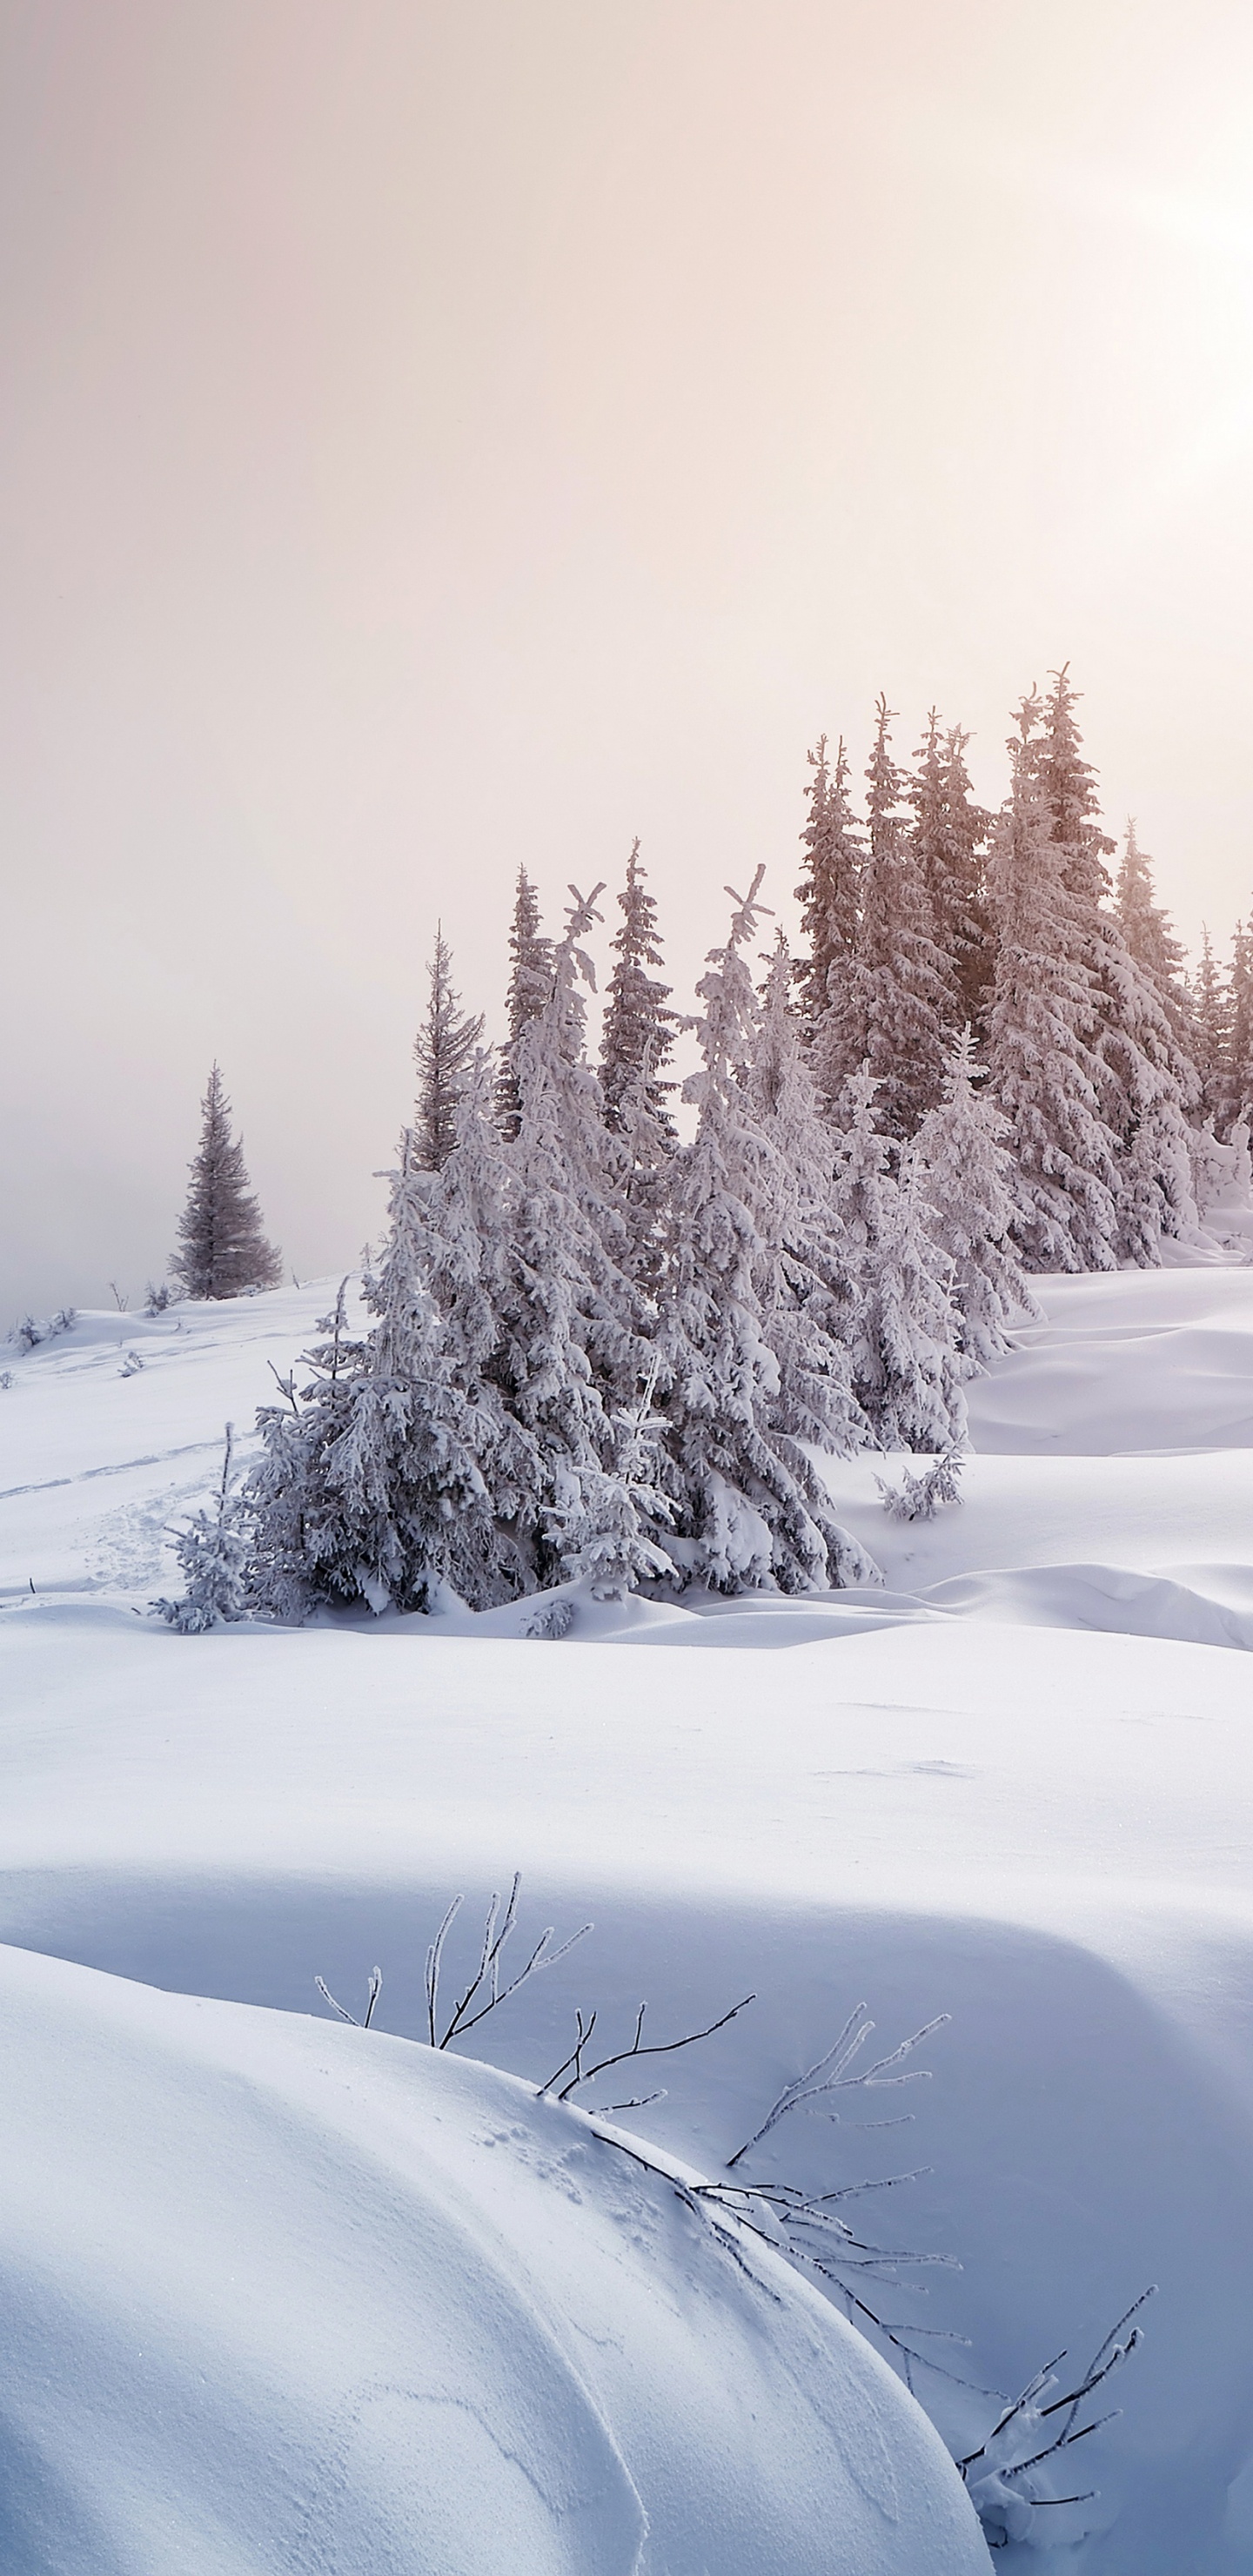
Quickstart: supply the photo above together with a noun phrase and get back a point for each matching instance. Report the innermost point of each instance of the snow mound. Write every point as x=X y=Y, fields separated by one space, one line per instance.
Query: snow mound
x=1138 y=1360
x=284 y=2296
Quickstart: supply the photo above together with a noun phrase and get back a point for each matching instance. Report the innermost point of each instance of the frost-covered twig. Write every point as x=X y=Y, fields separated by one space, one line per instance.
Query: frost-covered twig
x=1009 y=2464
x=577 y=2074
x=485 y=1991
x=374 y=1988
x=830 y=2074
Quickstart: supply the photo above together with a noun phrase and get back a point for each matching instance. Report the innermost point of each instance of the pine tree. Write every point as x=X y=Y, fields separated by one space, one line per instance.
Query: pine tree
x=530 y=983
x=1210 y=1018
x=906 y=1370
x=637 y=1037
x=1238 y=1069
x=950 y=831
x=1044 y=1029
x=908 y=995
x=827 y=979
x=965 y=1177
x=442 y=1050
x=743 y=1381
x=1150 y=940
x=222 y=1251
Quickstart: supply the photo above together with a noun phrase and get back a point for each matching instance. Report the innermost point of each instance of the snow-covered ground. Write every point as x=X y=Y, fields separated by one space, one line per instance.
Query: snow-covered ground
x=234 y=2236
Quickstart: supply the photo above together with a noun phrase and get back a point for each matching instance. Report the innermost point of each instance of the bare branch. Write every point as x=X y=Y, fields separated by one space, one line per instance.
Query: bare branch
x=374 y=1988
x=658 y=2048
x=831 y=2074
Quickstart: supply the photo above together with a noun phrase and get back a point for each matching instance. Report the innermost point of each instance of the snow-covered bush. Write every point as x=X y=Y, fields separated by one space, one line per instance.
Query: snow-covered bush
x=213 y=1552
x=918 y=1498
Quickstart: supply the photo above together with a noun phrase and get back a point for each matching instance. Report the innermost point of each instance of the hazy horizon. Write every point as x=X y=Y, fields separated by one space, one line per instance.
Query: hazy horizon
x=438 y=440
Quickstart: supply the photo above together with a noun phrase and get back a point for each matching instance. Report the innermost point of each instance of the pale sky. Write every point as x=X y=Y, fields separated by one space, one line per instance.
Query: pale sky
x=433 y=437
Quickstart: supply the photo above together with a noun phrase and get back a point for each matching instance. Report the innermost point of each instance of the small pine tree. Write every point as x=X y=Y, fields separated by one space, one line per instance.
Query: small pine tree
x=222 y=1251
x=442 y=1050
x=530 y=984
x=214 y=1553
x=965 y=1177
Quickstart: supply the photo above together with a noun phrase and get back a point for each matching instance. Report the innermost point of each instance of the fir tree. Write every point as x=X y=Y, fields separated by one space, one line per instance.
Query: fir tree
x=827 y=975
x=950 y=831
x=214 y=1552
x=1238 y=1068
x=442 y=1050
x=222 y=1251
x=907 y=992
x=638 y=1032
x=1150 y=940
x=965 y=1178
x=1044 y=1028
x=906 y=1370
x=530 y=983
x=740 y=1391
x=1209 y=1000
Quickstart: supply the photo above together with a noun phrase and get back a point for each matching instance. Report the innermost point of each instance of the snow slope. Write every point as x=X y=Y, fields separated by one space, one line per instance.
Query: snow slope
x=948 y=1796
x=283 y=2296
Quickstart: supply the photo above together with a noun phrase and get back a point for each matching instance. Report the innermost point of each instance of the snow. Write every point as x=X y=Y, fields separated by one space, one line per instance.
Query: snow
x=284 y=2295
x=956 y=1794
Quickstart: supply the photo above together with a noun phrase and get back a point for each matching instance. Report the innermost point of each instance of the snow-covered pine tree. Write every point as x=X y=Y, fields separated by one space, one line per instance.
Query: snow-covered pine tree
x=1238 y=1068
x=827 y=975
x=1209 y=999
x=397 y=1470
x=577 y=1354
x=213 y=1552
x=905 y=985
x=1150 y=940
x=906 y=1366
x=637 y=1039
x=222 y=1251
x=530 y=983
x=950 y=832
x=1144 y=1080
x=637 y=1035
x=1044 y=1029
x=443 y=1050
x=738 y=1390
x=964 y=1177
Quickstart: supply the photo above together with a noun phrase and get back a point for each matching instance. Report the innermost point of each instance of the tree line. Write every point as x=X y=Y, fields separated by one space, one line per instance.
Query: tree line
x=597 y=1351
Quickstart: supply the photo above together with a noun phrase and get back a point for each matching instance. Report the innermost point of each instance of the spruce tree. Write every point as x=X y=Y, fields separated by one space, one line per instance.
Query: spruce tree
x=1044 y=1027
x=827 y=979
x=637 y=1036
x=530 y=983
x=906 y=1369
x=443 y=1049
x=1150 y=940
x=222 y=1251
x=907 y=992
x=1209 y=999
x=950 y=832
x=1238 y=1067
x=743 y=1383
x=964 y=1178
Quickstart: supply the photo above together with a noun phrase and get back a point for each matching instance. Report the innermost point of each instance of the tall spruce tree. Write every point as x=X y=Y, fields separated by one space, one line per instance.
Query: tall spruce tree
x=1044 y=1028
x=443 y=1050
x=637 y=1035
x=1238 y=1067
x=222 y=1251
x=530 y=984
x=950 y=832
x=907 y=992
x=1150 y=940
x=903 y=1341
x=964 y=1177
x=1209 y=998
x=740 y=1392
x=827 y=974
